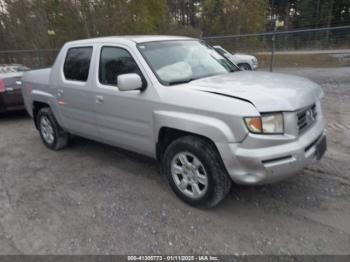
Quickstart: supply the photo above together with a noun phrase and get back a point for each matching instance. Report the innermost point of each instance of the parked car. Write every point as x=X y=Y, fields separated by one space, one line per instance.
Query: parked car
x=179 y=101
x=10 y=87
x=11 y=68
x=243 y=61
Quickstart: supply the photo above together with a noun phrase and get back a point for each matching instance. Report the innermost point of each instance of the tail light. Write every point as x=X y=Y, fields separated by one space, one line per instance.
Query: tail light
x=2 y=86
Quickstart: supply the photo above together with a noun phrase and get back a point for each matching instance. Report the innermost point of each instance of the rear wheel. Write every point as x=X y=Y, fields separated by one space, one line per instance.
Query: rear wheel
x=195 y=171
x=53 y=136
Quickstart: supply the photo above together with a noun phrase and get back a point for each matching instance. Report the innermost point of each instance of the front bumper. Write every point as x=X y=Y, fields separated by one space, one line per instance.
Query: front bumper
x=272 y=162
x=254 y=66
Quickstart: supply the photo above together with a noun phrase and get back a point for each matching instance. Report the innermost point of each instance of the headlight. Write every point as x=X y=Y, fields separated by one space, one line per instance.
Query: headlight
x=271 y=123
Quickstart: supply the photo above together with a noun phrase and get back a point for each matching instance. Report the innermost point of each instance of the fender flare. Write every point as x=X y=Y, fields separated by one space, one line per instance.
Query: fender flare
x=49 y=99
x=214 y=129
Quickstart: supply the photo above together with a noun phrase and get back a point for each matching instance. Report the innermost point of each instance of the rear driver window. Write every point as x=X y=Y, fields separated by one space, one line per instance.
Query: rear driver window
x=77 y=64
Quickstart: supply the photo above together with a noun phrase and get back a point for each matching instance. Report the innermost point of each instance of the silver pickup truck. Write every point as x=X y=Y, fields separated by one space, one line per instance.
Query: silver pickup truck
x=179 y=101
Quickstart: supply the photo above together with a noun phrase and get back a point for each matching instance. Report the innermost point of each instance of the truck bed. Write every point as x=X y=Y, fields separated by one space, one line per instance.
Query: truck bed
x=35 y=81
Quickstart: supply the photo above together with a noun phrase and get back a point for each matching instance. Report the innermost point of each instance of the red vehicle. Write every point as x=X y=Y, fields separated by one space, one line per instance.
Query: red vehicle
x=10 y=87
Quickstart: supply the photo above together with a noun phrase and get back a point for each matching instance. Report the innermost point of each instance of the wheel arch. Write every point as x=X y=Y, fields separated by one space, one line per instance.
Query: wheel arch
x=36 y=107
x=172 y=125
x=245 y=63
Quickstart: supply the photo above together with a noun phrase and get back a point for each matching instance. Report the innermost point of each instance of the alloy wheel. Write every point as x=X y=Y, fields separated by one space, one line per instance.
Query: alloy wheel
x=189 y=175
x=47 y=130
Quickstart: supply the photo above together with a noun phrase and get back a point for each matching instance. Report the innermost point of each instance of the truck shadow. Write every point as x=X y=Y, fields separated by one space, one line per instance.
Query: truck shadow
x=13 y=116
x=111 y=153
x=295 y=191
x=305 y=191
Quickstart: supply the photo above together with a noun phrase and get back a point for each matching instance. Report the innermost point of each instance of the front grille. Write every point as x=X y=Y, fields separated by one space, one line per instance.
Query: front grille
x=306 y=117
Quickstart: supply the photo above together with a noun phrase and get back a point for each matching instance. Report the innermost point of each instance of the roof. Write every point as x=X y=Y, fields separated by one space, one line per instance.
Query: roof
x=152 y=38
x=133 y=38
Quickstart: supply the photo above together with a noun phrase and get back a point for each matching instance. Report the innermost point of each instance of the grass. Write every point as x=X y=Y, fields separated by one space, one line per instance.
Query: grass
x=304 y=60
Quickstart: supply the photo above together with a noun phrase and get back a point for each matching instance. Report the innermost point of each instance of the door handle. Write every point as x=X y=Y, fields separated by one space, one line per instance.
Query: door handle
x=99 y=99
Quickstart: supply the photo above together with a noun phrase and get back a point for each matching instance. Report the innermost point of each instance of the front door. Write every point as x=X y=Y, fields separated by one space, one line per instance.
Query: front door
x=124 y=118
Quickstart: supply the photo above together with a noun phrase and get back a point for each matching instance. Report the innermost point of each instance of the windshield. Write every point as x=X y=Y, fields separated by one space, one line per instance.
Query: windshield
x=176 y=62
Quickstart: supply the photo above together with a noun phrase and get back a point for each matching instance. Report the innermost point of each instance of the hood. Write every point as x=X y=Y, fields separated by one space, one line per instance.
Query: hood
x=266 y=91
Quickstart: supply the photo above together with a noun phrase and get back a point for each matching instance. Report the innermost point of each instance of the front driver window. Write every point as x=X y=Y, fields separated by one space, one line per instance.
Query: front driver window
x=115 y=61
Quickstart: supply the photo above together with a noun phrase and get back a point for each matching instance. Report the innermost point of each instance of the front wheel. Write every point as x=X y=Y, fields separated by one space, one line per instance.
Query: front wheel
x=195 y=171
x=53 y=136
x=245 y=67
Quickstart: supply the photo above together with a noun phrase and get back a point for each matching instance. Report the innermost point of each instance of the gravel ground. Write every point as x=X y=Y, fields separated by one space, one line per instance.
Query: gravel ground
x=96 y=199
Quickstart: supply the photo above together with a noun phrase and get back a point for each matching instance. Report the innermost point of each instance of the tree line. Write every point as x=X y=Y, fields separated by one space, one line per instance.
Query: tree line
x=44 y=24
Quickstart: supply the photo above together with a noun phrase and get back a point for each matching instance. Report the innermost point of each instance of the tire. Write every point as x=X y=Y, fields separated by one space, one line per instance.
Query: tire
x=52 y=135
x=213 y=189
x=245 y=67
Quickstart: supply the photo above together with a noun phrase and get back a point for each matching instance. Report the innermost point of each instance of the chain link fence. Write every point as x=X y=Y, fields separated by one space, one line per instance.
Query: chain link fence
x=320 y=47
x=33 y=59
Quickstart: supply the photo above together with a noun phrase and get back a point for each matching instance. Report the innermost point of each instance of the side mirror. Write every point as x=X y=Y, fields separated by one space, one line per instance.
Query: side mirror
x=129 y=82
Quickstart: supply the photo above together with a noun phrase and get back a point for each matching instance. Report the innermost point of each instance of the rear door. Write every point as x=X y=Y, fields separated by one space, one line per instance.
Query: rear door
x=75 y=95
